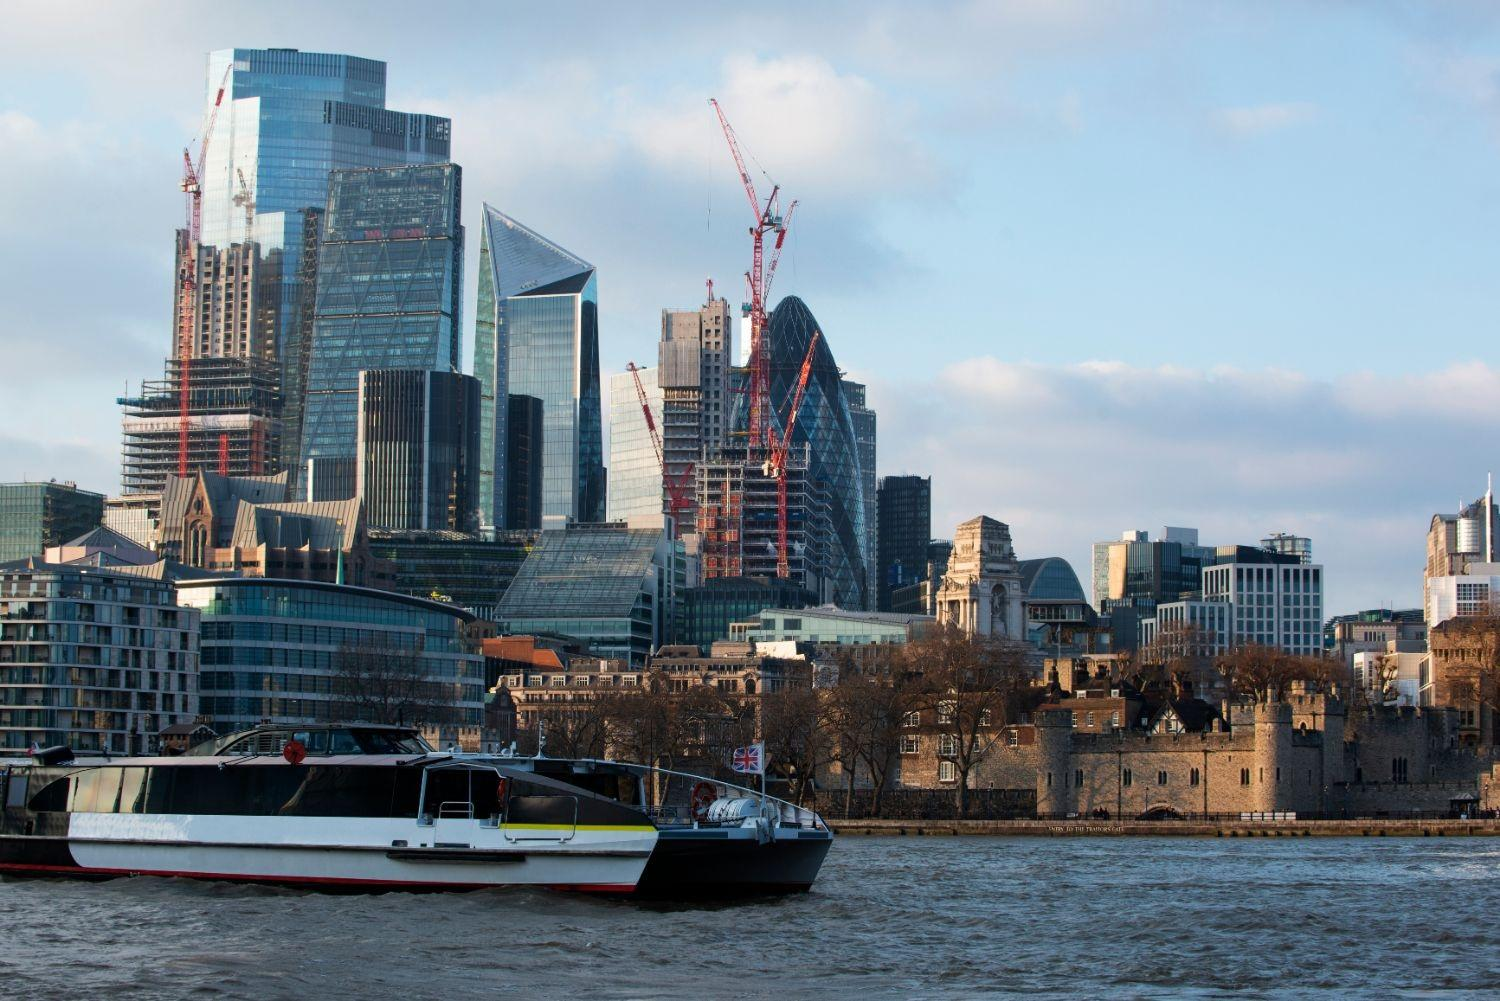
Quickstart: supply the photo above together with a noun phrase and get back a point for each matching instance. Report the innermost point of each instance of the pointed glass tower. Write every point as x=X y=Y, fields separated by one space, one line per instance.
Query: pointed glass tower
x=390 y=269
x=536 y=333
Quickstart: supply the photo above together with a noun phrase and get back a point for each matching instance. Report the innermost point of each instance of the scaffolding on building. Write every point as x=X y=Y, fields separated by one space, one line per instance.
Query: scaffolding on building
x=232 y=420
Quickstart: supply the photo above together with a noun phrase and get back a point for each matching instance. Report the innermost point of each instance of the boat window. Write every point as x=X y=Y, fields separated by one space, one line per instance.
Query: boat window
x=95 y=791
x=132 y=789
x=382 y=742
x=52 y=797
x=316 y=741
x=342 y=742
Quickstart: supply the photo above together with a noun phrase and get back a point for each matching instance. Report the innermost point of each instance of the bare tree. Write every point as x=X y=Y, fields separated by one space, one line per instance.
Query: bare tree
x=1179 y=660
x=374 y=683
x=641 y=723
x=973 y=687
x=1266 y=674
x=792 y=724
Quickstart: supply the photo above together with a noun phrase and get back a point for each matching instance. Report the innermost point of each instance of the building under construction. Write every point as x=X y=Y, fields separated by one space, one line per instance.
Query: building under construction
x=234 y=427
x=738 y=520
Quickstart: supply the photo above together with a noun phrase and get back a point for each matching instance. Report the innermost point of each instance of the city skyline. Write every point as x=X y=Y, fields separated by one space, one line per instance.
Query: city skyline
x=1222 y=319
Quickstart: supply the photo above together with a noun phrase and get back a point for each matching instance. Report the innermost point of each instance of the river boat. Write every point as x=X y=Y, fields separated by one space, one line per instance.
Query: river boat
x=354 y=807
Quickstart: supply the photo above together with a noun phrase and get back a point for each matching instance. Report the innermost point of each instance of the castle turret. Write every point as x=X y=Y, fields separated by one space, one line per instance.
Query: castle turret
x=1273 y=755
x=1054 y=738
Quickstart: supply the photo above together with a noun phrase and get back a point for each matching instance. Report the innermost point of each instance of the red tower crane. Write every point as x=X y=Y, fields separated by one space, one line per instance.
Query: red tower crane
x=677 y=499
x=768 y=219
x=775 y=464
x=187 y=273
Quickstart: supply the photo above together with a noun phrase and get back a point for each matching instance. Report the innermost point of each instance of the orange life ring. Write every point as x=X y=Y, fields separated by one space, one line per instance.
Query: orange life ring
x=294 y=751
x=704 y=793
x=502 y=787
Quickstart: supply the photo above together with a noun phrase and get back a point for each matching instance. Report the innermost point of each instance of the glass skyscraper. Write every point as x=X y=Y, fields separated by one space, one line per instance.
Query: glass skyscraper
x=287 y=120
x=826 y=425
x=536 y=333
x=635 y=487
x=390 y=269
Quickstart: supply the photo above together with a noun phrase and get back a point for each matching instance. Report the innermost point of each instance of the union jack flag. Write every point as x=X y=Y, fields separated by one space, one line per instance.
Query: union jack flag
x=750 y=759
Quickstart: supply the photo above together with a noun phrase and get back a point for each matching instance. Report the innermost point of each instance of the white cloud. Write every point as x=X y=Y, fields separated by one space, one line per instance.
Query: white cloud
x=1071 y=454
x=1253 y=121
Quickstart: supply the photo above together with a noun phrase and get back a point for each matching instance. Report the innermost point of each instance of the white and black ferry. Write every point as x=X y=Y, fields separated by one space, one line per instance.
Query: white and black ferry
x=374 y=808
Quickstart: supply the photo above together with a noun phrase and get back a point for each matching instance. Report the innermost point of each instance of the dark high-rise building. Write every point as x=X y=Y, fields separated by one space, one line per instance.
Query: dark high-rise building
x=864 y=439
x=536 y=333
x=905 y=529
x=418 y=449
x=390 y=270
x=523 y=463
x=826 y=425
x=34 y=516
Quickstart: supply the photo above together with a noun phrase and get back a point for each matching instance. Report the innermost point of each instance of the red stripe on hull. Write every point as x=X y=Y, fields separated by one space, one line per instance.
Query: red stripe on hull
x=78 y=870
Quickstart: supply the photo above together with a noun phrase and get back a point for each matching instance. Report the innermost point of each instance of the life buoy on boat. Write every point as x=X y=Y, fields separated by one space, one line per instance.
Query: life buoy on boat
x=501 y=788
x=703 y=796
x=294 y=751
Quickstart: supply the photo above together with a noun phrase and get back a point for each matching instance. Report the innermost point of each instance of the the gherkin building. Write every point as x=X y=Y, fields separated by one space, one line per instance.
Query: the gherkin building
x=825 y=425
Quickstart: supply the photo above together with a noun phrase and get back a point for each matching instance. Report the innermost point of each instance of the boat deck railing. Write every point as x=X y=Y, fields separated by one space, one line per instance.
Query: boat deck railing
x=679 y=799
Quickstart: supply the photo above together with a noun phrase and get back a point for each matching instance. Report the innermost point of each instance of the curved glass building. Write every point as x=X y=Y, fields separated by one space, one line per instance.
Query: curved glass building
x=825 y=425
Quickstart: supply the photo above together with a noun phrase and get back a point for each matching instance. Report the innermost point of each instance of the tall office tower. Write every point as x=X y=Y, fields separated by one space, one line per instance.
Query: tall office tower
x=694 y=358
x=905 y=530
x=826 y=427
x=635 y=486
x=418 y=449
x=389 y=275
x=523 y=464
x=34 y=516
x=287 y=120
x=536 y=333
x=864 y=439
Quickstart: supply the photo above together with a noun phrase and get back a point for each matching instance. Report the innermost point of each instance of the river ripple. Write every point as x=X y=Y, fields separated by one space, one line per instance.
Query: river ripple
x=890 y=917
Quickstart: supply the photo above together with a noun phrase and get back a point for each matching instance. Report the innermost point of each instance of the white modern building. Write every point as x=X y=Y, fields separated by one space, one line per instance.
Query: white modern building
x=1471 y=593
x=1274 y=604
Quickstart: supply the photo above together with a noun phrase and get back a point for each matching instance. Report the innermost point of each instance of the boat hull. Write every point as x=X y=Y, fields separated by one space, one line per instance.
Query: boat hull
x=716 y=863
x=288 y=854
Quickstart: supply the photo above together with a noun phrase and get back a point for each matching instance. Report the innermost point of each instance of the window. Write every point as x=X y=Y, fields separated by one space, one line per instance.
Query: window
x=984 y=717
x=1161 y=778
x=1126 y=778
x=946 y=709
x=1091 y=719
x=1398 y=770
x=910 y=743
x=947 y=744
x=947 y=772
x=1078 y=778
x=1244 y=776
x=1012 y=738
x=911 y=719
x=1114 y=718
x=1193 y=777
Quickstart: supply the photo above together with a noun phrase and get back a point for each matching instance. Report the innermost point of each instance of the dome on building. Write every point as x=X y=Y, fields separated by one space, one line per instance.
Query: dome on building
x=824 y=422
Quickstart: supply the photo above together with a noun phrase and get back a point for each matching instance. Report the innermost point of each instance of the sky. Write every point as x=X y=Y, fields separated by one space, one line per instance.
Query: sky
x=1104 y=266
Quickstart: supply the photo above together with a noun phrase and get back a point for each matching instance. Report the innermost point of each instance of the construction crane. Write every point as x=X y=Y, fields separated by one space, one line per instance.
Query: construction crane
x=775 y=464
x=677 y=500
x=187 y=273
x=244 y=199
x=768 y=219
